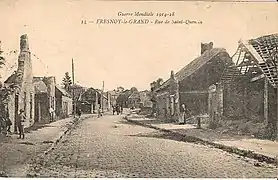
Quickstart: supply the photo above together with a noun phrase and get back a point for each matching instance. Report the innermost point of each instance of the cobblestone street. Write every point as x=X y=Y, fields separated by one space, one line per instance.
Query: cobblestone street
x=111 y=147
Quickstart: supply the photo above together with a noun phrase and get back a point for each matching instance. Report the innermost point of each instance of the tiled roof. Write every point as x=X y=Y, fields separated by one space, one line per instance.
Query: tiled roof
x=263 y=50
x=63 y=91
x=194 y=65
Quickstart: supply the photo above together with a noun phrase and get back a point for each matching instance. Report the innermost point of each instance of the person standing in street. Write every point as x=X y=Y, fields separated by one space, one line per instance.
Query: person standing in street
x=79 y=113
x=21 y=118
x=182 y=114
x=51 y=112
x=99 y=112
x=114 y=109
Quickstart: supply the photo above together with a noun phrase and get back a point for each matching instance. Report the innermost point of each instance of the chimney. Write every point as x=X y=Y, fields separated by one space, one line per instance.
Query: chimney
x=172 y=75
x=206 y=46
x=24 y=45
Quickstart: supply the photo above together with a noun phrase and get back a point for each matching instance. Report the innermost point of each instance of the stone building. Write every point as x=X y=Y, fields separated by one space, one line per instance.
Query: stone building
x=23 y=96
x=90 y=101
x=64 y=103
x=76 y=91
x=190 y=85
x=44 y=97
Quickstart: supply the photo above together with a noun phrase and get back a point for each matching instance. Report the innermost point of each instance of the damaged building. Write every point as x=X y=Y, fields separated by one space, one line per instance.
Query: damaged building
x=247 y=90
x=190 y=85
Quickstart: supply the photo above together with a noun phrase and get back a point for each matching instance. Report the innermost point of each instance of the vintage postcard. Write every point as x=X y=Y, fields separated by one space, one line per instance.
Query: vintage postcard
x=138 y=89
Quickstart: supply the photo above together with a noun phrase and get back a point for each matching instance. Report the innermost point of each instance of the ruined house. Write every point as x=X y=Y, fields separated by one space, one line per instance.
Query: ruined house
x=248 y=86
x=44 y=97
x=90 y=101
x=23 y=96
x=133 y=100
x=190 y=86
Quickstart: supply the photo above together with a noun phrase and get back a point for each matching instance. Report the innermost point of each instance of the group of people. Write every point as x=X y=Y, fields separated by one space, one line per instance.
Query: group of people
x=117 y=108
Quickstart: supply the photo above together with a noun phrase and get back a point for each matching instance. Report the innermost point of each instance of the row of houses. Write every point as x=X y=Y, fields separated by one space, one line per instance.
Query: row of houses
x=221 y=86
x=38 y=95
x=35 y=95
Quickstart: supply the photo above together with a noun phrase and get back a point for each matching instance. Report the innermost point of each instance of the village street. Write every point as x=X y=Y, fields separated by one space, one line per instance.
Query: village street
x=111 y=147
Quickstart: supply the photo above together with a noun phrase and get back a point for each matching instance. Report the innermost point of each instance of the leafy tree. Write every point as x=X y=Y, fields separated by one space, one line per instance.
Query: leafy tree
x=133 y=89
x=159 y=81
x=67 y=81
x=123 y=97
x=120 y=89
x=156 y=84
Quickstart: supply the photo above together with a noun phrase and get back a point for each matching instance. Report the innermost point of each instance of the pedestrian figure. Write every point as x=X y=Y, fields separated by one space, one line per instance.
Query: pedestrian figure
x=122 y=109
x=118 y=109
x=99 y=112
x=182 y=119
x=21 y=118
x=114 y=109
x=79 y=113
x=51 y=113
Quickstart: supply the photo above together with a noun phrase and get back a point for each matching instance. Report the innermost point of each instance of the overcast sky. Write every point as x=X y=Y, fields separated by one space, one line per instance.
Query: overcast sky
x=126 y=55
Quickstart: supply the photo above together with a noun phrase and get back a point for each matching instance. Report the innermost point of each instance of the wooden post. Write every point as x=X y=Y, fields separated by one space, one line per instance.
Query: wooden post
x=266 y=101
x=96 y=103
x=198 y=122
x=73 y=89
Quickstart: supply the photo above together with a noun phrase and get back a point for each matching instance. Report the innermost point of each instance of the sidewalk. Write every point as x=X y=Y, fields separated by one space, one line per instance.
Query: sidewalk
x=263 y=149
x=15 y=153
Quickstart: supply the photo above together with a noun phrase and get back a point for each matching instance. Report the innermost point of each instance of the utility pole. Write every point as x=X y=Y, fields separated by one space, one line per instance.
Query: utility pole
x=73 y=93
x=102 y=90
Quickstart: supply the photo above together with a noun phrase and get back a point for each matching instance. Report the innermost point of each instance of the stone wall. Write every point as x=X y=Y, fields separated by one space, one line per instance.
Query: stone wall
x=245 y=99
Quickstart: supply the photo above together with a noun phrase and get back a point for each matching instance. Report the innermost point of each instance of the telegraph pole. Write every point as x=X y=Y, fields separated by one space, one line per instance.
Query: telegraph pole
x=102 y=90
x=73 y=93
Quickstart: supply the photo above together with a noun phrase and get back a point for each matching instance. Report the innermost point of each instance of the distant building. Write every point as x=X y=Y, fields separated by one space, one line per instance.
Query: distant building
x=134 y=100
x=113 y=97
x=76 y=91
x=90 y=101
x=145 y=99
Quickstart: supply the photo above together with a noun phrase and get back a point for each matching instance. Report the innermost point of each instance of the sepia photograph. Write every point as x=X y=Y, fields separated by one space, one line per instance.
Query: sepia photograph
x=138 y=89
